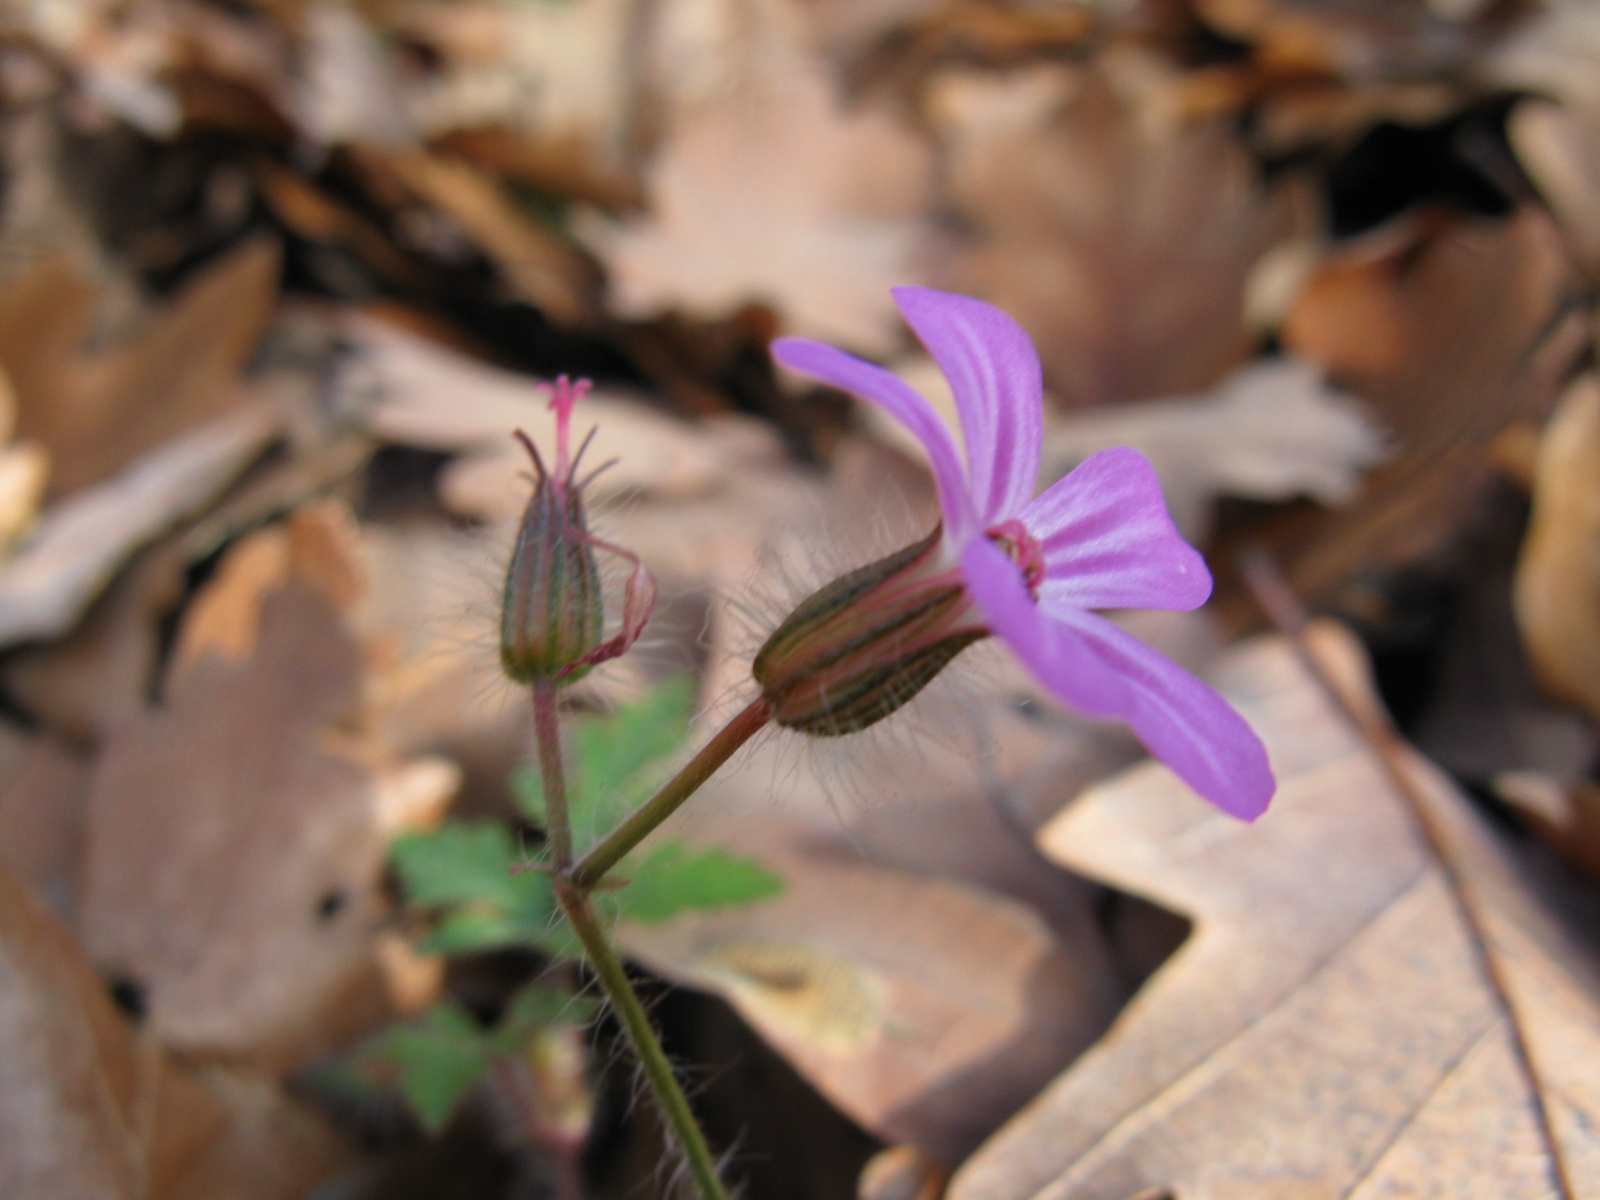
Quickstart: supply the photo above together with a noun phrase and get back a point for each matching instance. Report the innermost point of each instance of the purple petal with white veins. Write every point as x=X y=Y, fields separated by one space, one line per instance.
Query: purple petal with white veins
x=873 y=384
x=1183 y=722
x=1109 y=543
x=1045 y=647
x=993 y=371
x=1090 y=665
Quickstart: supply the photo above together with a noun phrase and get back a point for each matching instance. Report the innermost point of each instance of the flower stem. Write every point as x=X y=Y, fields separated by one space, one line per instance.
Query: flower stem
x=547 y=733
x=573 y=884
x=613 y=978
x=593 y=866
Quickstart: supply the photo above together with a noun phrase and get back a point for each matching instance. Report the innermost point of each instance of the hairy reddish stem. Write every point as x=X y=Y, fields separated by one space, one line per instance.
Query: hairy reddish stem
x=592 y=868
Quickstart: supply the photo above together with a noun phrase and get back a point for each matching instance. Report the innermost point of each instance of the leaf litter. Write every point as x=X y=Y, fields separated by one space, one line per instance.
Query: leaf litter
x=277 y=283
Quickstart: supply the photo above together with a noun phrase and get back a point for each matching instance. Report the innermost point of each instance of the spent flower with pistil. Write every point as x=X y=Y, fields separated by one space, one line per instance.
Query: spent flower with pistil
x=552 y=619
x=1028 y=569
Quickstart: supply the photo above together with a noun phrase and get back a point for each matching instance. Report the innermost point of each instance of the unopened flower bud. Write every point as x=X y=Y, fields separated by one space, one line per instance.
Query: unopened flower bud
x=554 y=609
x=858 y=649
x=552 y=619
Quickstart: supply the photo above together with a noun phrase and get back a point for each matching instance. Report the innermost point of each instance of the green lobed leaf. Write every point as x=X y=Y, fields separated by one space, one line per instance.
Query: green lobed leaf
x=437 y=1059
x=671 y=877
x=457 y=862
x=466 y=869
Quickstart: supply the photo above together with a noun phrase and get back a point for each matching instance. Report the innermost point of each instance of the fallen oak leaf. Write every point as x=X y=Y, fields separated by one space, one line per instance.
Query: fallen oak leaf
x=1449 y=330
x=539 y=267
x=41 y=811
x=1272 y=430
x=1550 y=60
x=1565 y=814
x=1328 y=1030
x=103 y=671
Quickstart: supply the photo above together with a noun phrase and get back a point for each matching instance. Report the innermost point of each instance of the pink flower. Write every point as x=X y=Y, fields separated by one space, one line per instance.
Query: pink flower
x=1034 y=567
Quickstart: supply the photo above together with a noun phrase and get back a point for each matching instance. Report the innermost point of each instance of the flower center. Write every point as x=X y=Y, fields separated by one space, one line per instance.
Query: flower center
x=1022 y=548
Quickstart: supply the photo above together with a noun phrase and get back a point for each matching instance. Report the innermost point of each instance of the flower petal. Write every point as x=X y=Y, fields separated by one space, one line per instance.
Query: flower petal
x=1046 y=647
x=1091 y=665
x=837 y=369
x=1183 y=722
x=994 y=373
x=1109 y=543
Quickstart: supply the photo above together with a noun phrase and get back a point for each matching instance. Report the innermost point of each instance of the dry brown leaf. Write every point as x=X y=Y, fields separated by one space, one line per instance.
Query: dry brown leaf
x=267 y=812
x=1328 y=1030
x=86 y=1112
x=80 y=685
x=766 y=188
x=24 y=475
x=318 y=546
x=429 y=397
x=82 y=540
x=1557 y=588
x=1450 y=330
x=70 y=1117
x=1119 y=232
x=539 y=267
x=97 y=411
x=1566 y=815
x=103 y=672
x=1369 y=40
x=1272 y=430
x=925 y=1009
x=220 y=1132
x=901 y=1173
x=1554 y=57
x=557 y=77
x=1555 y=145
x=41 y=810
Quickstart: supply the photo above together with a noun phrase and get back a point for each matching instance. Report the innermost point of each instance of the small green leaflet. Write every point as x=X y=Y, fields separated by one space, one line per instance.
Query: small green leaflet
x=466 y=869
x=667 y=878
x=437 y=1058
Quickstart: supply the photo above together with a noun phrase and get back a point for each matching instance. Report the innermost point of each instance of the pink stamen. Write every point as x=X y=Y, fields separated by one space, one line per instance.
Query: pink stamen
x=1022 y=548
x=564 y=394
